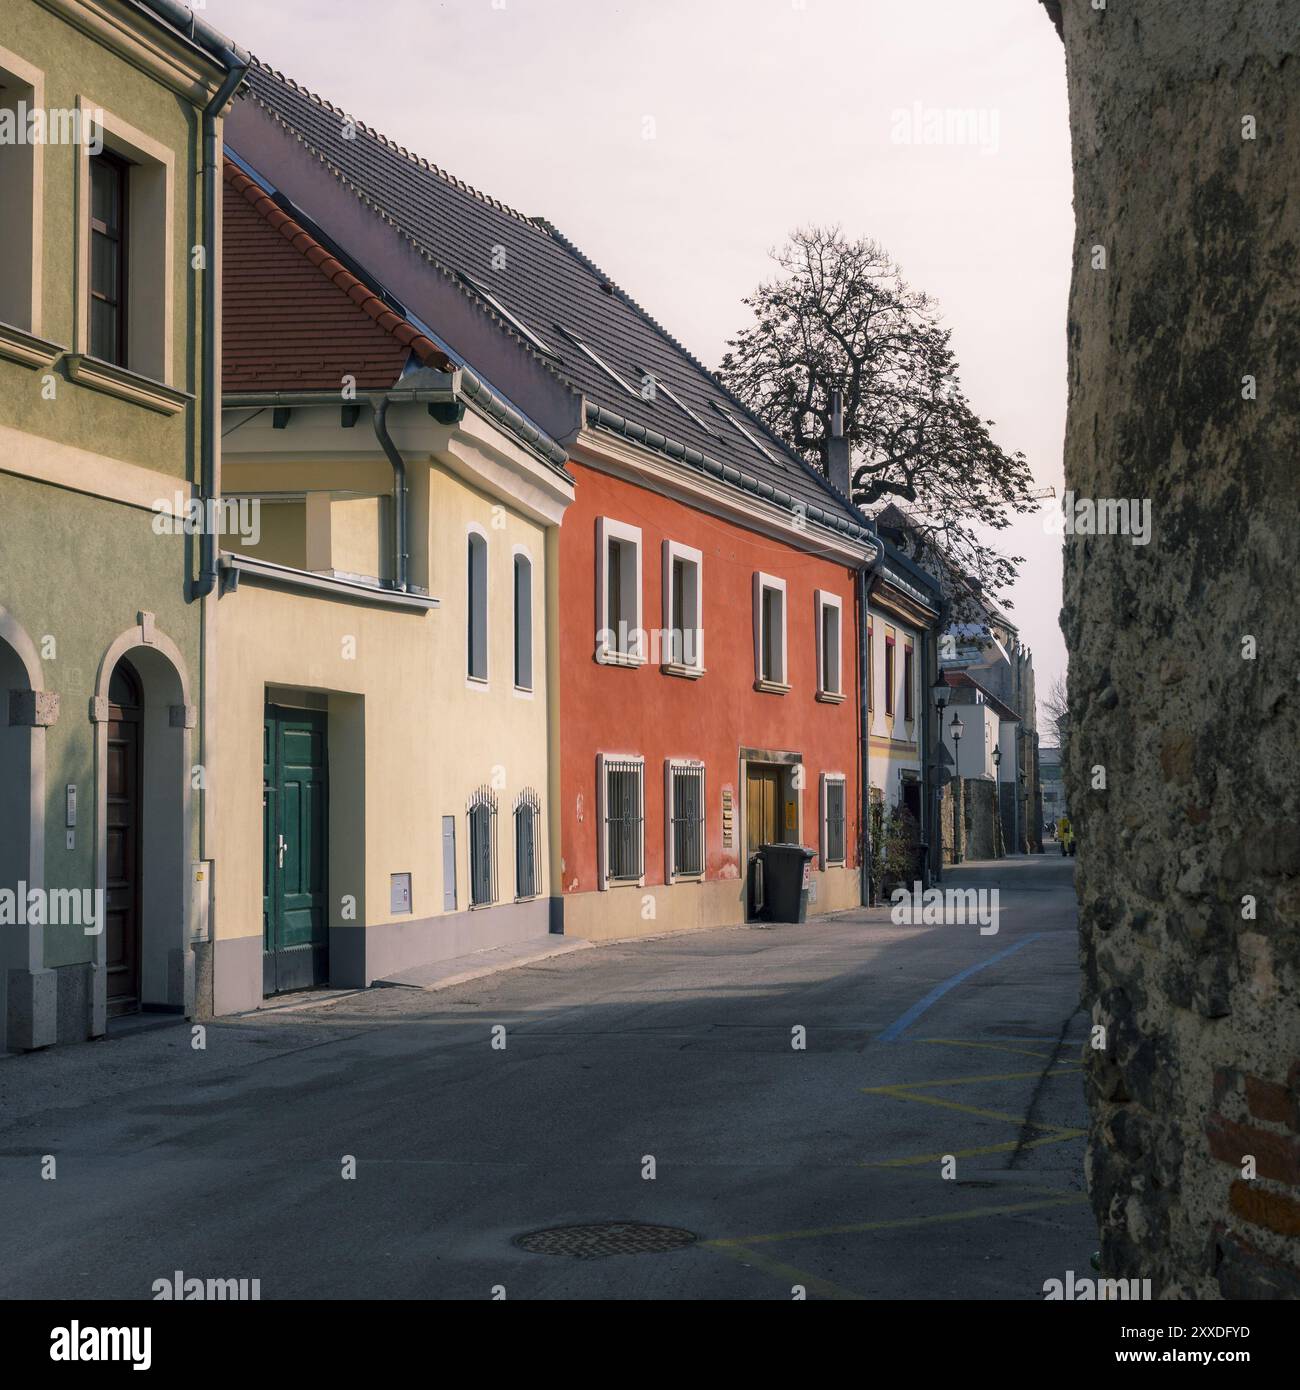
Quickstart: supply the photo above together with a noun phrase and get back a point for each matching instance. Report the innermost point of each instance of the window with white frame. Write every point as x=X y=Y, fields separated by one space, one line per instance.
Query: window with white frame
x=476 y=607
x=523 y=621
x=126 y=308
x=683 y=651
x=909 y=681
x=622 y=819
x=619 y=638
x=891 y=672
x=834 y=819
x=482 y=847
x=684 y=803
x=528 y=844
x=830 y=646
x=770 y=633
x=21 y=96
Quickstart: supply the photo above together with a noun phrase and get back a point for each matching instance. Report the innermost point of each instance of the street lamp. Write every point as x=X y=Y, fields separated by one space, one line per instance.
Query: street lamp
x=957 y=728
x=997 y=757
x=940 y=692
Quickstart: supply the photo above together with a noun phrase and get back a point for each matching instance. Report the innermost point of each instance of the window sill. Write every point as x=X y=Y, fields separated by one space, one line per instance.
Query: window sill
x=126 y=385
x=773 y=687
x=829 y=697
x=610 y=884
x=675 y=668
x=686 y=878
x=18 y=345
x=605 y=657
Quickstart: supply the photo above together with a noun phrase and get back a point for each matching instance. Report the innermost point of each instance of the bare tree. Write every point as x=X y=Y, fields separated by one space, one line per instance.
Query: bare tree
x=1056 y=711
x=840 y=317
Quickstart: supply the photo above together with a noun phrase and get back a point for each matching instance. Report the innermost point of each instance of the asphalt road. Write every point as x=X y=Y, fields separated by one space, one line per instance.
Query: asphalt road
x=817 y=1167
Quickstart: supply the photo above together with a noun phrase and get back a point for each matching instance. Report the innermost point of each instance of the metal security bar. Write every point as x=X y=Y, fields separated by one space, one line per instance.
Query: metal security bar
x=624 y=819
x=687 y=818
x=482 y=847
x=528 y=816
x=834 y=821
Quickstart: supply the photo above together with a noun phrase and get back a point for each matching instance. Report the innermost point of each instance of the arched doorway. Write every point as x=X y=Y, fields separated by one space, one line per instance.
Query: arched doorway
x=143 y=826
x=122 y=857
x=27 y=1013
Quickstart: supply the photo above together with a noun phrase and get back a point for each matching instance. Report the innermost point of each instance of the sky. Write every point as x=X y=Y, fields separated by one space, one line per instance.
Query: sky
x=678 y=142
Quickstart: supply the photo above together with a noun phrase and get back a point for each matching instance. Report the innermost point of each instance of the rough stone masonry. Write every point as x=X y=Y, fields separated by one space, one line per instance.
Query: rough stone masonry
x=1183 y=759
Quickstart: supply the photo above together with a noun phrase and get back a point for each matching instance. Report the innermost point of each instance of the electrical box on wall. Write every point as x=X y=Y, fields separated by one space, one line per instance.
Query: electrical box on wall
x=200 y=899
x=399 y=893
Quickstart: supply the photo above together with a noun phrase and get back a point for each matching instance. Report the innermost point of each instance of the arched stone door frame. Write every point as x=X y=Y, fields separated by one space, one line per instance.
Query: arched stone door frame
x=167 y=965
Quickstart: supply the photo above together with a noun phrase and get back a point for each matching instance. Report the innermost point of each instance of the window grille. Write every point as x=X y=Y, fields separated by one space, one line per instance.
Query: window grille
x=624 y=819
x=528 y=818
x=482 y=847
x=686 y=815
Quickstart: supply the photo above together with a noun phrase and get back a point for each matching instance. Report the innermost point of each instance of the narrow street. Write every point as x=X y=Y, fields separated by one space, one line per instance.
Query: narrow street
x=817 y=1167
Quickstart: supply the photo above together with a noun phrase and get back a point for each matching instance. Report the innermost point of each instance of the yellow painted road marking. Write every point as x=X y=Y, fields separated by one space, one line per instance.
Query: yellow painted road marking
x=823 y=1288
x=992 y=1047
x=900 y=1223
x=1058 y=1138
x=963 y=1080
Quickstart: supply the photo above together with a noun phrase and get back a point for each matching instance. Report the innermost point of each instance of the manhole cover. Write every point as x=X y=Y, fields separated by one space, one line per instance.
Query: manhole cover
x=607 y=1238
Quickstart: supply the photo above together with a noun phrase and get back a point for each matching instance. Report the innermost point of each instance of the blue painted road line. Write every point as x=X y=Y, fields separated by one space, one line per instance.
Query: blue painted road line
x=901 y=1024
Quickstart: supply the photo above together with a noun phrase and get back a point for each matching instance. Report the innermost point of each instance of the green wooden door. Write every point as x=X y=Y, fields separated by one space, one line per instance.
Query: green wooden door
x=295 y=800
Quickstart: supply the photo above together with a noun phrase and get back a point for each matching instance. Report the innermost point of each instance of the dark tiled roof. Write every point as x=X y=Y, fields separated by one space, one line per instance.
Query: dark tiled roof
x=544 y=282
x=294 y=318
x=960 y=680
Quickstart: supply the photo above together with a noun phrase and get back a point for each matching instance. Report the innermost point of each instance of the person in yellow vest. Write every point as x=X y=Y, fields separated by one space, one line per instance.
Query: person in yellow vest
x=1065 y=834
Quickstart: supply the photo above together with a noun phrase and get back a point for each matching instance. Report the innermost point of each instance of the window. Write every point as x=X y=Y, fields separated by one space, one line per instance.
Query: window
x=476 y=607
x=618 y=594
x=523 y=622
x=830 y=647
x=769 y=633
x=505 y=313
x=748 y=433
x=683 y=582
x=609 y=371
x=684 y=799
x=908 y=680
x=22 y=91
x=871 y=671
x=108 y=258
x=889 y=672
x=834 y=836
x=528 y=867
x=482 y=847
x=622 y=793
x=126 y=248
x=662 y=387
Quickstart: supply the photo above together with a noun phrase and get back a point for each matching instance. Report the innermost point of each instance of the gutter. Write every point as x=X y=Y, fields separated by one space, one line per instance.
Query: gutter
x=725 y=472
x=400 y=556
x=866 y=574
x=236 y=61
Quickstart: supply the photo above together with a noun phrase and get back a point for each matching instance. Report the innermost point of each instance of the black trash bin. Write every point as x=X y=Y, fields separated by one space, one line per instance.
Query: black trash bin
x=781 y=888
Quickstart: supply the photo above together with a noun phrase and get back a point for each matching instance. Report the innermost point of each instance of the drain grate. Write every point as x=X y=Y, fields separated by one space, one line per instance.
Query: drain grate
x=594 y=1242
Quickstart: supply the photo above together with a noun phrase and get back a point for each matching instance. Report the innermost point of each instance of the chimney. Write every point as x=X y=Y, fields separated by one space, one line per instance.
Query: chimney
x=837 y=451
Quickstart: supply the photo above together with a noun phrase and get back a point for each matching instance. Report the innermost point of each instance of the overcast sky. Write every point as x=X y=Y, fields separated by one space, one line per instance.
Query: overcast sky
x=678 y=141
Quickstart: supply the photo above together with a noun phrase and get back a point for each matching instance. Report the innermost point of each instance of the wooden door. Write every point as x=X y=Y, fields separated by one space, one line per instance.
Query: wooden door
x=122 y=847
x=762 y=806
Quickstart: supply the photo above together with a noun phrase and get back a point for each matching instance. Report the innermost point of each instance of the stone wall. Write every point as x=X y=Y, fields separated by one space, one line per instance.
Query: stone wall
x=1183 y=765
